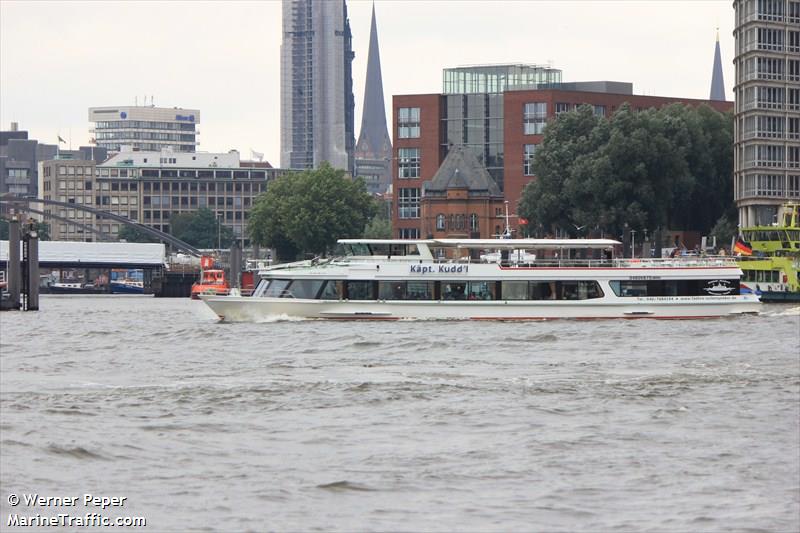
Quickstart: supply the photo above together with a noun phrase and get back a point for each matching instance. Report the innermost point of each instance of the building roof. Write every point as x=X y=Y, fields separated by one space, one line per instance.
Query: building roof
x=168 y=158
x=717 y=81
x=374 y=136
x=96 y=253
x=462 y=170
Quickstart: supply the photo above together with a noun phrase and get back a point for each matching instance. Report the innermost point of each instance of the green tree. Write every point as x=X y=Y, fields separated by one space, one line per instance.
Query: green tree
x=378 y=228
x=669 y=167
x=307 y=212
x=201 y=229
x=135 y=234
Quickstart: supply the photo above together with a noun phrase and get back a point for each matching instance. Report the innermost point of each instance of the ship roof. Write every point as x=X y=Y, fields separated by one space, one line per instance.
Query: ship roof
x=495 y=243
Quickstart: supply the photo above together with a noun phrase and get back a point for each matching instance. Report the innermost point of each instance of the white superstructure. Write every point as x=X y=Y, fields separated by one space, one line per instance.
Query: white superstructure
x=531 y=279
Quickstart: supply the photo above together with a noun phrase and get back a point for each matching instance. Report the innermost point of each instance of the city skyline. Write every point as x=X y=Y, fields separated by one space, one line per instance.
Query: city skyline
x=226 y=62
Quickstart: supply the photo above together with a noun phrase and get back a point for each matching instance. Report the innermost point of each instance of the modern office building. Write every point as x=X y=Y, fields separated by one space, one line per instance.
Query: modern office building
x=499 y=113
x=19 y=158
x=150 y=187
x=317 y=102
x=146 y=128
x=767 y=114
x=373 y=153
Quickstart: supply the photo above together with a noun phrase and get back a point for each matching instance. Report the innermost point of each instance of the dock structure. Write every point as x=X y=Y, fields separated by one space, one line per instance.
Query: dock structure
x=21 y=274
x=98 y=258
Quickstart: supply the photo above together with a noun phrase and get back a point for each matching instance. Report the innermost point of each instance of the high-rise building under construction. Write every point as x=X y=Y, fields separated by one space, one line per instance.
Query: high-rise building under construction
x=317 y=102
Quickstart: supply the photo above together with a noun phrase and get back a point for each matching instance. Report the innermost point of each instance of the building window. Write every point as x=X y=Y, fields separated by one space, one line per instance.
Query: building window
x=535 y=118
x=527 y=161
x=408 y=123
x=561 y=108
x=599 y=110
x=408 y=203
x=473 y=222
x=770 y=10
x=793 y=185
x=409 y=233
x=408 y=163
x=440 y=222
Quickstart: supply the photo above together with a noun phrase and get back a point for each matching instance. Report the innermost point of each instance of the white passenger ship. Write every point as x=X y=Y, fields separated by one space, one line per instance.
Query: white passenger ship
x=495 y=279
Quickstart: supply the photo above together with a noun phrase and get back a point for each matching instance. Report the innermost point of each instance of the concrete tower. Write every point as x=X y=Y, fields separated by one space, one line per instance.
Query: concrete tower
x=374 y=147
x=717 y=81
x=317 y=102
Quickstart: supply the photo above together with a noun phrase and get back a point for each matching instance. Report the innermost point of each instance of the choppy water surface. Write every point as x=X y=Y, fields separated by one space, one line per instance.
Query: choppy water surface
x=434 y=426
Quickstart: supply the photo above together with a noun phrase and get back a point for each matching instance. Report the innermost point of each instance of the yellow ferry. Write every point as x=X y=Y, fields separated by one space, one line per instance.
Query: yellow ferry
x=773 y=270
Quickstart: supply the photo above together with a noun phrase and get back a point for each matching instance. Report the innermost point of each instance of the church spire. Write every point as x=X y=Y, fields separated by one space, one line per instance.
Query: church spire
x=373 y=140
x=717 y=81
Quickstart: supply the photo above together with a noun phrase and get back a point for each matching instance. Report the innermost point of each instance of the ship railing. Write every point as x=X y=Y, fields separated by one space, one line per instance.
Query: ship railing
x=566 y=262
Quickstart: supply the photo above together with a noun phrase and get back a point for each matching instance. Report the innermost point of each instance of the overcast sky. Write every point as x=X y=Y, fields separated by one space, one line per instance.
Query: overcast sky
x=59 y=58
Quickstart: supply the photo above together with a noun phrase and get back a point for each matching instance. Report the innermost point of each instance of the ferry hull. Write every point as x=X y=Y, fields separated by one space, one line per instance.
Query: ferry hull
x=250 y=309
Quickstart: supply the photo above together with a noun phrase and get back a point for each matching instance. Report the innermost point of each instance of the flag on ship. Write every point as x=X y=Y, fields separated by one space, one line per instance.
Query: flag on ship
x=742 y=247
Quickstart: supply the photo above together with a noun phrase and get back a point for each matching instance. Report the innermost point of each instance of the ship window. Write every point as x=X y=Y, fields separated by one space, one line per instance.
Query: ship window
x=359 y=290
x=420 y=290
x=542 y=290
x=304 y=288
x=261 y=288
x=481 y=290
x=331 y=291
x=454 y=290
x=691 y=287
x=277 y=288
x=392 y=290
x=515 y=290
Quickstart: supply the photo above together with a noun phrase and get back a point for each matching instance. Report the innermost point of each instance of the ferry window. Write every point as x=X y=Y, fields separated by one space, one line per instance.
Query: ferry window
x=261 y=288
x=277 y=288
x=515 y=290
x=331 y=291
x=481 y=290
x=629 y=288
x=392 y=290
x=420 y=290
x=455 y=290
x=588 y=290
x=305 y=288
x=542 y=290
x=378 y=249
x=360 y=290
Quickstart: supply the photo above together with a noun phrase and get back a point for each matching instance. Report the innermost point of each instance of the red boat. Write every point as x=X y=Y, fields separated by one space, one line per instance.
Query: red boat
x=212 y=280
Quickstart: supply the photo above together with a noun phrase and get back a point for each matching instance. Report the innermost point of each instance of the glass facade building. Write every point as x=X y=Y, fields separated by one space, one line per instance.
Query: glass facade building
x=498 y=78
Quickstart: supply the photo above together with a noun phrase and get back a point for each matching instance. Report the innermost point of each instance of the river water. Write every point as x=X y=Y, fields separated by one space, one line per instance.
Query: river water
x=414 y=426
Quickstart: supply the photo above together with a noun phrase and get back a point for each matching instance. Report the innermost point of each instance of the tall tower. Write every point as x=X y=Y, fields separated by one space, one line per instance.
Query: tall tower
x=767 y=112
x=317 y=102
x=374 y=148
x=717 y=81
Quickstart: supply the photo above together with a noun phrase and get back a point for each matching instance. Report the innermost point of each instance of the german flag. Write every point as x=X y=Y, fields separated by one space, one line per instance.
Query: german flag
x=741 y=247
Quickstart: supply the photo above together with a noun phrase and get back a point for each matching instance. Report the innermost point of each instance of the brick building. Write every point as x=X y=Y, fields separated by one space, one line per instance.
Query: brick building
x=502 y=128
x=462 y=200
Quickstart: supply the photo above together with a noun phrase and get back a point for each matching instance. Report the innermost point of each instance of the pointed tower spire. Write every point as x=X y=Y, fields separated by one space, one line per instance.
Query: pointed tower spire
x=717 y=81
x=373 y=140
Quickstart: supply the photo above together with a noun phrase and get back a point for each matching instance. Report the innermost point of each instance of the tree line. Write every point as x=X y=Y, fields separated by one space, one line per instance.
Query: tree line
x=659 y=168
